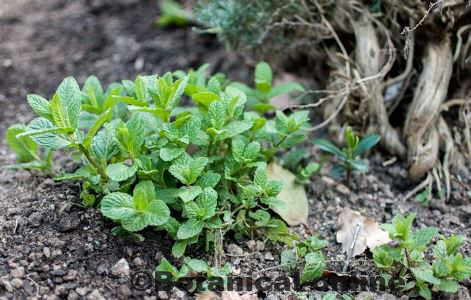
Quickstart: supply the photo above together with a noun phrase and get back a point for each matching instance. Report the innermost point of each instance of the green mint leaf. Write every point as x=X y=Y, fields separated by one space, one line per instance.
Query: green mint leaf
x=448 y=286
x=165 y=266
x=24 y=147
x=188 y=194
x=235 y=128
x=288 y=260
x=208 y=179
x=157 y=213
x=263 y=77
x=67 y=109
x=44 y=133
x=453 y=243
x=104 y=117
x=188 y=169
x=179 y=248
x=40 y=106
x=170 y=153
x=425 y=273
x=422 y=237
x=104 y=145
x=120 y=172
x=217 y=114
x=143 y=194
x=190 y=229
x=204 y=98
x=117 y=206
x=260 y=177
x=208 y=201
x=197 y=265
x=315 y=266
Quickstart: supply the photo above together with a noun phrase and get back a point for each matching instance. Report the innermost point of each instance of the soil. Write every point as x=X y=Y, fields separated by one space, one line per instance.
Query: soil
x=53 y=248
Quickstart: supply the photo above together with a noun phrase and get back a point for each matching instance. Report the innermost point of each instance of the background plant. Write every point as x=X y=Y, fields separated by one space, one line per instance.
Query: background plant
x=195 y=172
x=349 y=155
x=407 y=263
x=362 y=81
x=259 y=97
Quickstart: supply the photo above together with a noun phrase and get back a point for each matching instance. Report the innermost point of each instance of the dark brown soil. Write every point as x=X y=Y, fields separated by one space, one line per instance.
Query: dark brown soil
x=52 y=248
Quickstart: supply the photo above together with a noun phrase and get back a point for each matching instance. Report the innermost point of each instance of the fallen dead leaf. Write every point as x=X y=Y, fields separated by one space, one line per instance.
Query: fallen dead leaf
x=369 y=234
x=235 y=296
x=296 y=208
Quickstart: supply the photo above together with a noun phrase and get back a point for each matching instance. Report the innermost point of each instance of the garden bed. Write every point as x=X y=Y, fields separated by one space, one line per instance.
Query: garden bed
x=51 y=247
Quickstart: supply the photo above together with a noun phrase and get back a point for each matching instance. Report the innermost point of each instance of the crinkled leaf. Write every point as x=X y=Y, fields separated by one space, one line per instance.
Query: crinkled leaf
x=67 y=111
x=39 y=105
x=190 y=229
x=104 y=146
x=422 y=237
x=208 y=179
x=190 y=193
x=425 y=273
x=117 y=206
x=120 y=172
x=24 y=147
x=208 y=201
x=170 y=153
x=48 y=138
x=314 y=268
x=197 y=265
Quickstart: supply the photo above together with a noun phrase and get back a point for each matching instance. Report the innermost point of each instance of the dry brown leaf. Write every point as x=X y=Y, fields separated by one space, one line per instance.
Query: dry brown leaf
x=369 y=233
x=375 y=235
x=227 y=295
x=296 y=208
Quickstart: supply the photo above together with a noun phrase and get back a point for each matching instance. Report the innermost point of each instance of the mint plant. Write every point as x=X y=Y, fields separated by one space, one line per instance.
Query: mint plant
x=349 y=156
x=259 y=97
x=308 y=256
x=407 y=264
x=194 y=171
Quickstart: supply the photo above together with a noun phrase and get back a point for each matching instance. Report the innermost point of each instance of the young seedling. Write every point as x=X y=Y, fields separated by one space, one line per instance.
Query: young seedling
x=349 y=156
x=408 y=265
x=259 y=97
x=308 y=256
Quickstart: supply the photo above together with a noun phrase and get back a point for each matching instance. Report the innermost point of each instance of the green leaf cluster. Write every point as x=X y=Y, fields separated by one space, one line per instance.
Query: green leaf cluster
x=172 y=13
x=308 y=256
x=410 y=267
x=349 y=156
x=145 y=160
x=260 y=96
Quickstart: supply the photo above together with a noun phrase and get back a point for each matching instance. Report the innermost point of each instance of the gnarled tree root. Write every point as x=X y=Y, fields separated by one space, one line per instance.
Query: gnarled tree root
x=369 y=59
x=422 y=120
